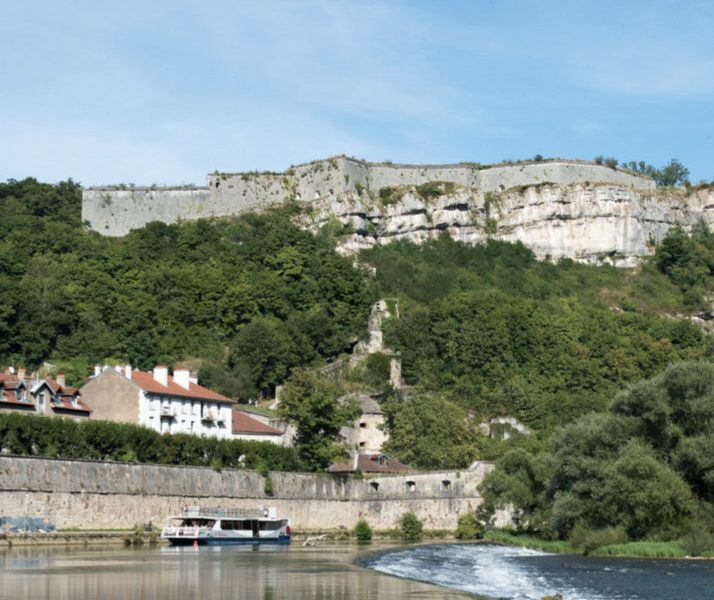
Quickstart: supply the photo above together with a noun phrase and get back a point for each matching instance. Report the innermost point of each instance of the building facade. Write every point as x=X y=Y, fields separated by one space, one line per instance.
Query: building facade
x=366 y=435
x=162 y=402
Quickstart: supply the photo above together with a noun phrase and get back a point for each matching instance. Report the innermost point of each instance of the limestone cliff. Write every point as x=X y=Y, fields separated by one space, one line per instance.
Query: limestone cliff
x=558 y=208
x=591 y=223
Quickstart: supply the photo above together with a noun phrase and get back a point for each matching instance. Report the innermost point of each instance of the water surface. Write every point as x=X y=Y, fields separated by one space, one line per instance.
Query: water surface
x=520 y=574
x=207 y=573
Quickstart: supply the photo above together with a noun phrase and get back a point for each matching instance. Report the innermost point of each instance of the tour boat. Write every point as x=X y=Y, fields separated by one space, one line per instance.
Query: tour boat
x=211 y=526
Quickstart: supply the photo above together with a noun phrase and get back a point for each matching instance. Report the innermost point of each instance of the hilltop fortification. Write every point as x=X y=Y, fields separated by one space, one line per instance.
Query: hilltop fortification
x=558 y=208
x=116 y=210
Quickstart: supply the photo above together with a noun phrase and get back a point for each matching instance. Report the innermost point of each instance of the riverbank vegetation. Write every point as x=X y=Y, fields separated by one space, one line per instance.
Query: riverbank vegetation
x=641 y=471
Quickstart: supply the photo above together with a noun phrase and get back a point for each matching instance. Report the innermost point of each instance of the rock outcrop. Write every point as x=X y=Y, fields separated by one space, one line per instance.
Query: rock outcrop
x=589 y=222
x=585 y=211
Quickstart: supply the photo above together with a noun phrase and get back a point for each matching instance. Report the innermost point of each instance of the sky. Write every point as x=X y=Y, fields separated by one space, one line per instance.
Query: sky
x=166 y=91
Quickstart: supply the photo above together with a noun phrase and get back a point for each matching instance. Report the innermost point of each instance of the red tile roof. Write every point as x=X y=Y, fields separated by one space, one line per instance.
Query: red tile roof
x=9 y=381
x=8 y=386
x=66 y=394
x=147 y=383
x=372 y=463
x=242 y=423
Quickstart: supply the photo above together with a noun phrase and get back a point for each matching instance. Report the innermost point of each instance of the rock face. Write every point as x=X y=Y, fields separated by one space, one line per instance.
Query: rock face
x=592 y=223
x=579 y=210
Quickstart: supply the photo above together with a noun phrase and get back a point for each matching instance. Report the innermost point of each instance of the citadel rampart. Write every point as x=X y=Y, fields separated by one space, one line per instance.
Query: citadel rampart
x=93 y=494
x=114 y=212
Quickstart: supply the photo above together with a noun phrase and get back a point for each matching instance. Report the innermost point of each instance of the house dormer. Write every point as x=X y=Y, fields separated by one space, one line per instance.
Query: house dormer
x=14 y=394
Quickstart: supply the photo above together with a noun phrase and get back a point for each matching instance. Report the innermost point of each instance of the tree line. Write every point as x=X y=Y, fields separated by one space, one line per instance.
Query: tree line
x=248 y=299
x=642 y=469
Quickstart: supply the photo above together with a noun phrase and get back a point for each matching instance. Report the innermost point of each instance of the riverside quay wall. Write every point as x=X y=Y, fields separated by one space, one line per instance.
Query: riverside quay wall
x=102 y=495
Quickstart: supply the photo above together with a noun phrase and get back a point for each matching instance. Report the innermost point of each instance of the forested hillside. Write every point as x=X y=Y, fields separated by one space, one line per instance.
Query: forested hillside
x=500 y=333
x=489 y=329
x=245 y=299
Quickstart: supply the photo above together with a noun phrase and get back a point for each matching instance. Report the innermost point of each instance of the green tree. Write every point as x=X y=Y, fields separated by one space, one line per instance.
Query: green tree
x=427 y=431
x=311 y=404
x=643 y=467
x=673 y=173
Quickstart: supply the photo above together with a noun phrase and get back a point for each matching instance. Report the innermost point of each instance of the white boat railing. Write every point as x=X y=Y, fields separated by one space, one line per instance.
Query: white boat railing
x=217 y=513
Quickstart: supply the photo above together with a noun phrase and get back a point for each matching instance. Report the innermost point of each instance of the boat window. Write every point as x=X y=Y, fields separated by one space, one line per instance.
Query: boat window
x=269 y=525
x=197 y=523
x=235 y=525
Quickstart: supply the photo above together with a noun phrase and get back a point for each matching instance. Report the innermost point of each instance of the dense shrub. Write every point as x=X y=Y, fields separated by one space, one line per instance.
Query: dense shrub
x=410 y=527
x=469 y=528
x=588 y=540
x=29 y=435
x=501 y=333
x=362 y=531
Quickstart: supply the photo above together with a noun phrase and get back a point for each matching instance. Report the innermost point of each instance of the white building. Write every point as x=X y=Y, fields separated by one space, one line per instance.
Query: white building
x=159 y=401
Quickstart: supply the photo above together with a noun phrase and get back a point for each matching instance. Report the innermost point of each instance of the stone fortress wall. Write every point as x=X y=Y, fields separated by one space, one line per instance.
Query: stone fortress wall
x=93 y=494
x=114 y=211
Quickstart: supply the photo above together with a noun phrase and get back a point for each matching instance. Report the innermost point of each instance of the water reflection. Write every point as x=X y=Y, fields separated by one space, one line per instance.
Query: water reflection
x=249 y=572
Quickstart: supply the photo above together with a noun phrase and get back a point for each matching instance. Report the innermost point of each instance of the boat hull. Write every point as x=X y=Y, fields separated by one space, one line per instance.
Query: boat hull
x=226 y=541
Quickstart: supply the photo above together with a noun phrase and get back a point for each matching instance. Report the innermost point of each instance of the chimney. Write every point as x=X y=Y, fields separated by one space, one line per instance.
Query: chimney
x=97 y=370
x=182 y=378
x=21 y=372
x=127 y=371
x=60 y=379
x=193 y=378
x=161 y=374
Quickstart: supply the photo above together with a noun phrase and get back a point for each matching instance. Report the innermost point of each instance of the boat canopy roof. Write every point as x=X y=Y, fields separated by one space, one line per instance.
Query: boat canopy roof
x=197 y=512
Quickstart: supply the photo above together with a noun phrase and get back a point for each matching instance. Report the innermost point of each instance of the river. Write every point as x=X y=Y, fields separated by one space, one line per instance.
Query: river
x=520 y=574
x=337 y=571
x=326 y=571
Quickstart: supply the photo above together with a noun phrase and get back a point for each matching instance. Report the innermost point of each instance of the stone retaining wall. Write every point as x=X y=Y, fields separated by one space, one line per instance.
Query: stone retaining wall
x=92 y=494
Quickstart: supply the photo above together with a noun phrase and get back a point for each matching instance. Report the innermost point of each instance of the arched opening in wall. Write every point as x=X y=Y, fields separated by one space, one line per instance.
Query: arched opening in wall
x=362 y=444
x=363 y=425
x=411 y=486
x=446 y=484
x=373 y=486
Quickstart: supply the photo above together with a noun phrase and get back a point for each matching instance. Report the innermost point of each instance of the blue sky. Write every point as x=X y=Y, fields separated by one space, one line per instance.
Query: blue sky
x=165 y=91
